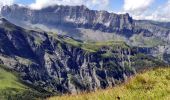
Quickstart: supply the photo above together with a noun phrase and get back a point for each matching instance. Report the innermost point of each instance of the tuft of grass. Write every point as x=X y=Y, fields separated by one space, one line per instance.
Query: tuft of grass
x=151 y=85
x=38 y=41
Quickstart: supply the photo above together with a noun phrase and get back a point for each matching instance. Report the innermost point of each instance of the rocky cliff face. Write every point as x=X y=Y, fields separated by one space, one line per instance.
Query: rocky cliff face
x=60 y=17
x=54 y=63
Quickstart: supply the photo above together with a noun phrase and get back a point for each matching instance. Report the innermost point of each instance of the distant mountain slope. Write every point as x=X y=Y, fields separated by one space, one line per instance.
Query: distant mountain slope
x=161 y=24
x=71 y=16
x=153 y=84
x=70 y=20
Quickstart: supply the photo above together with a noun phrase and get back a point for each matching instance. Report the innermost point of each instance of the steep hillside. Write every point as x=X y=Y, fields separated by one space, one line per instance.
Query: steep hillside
x=61 y=64
x=151 y=85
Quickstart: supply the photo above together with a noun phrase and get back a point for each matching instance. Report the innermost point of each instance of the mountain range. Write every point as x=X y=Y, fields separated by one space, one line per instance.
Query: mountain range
x=70 y=49
x=86 y=25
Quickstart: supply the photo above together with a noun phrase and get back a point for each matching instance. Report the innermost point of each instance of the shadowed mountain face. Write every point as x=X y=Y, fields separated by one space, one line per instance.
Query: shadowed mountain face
x=61 y=64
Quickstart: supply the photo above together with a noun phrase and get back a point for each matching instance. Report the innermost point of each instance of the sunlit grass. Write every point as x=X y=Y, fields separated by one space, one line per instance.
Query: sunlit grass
x=9 y=80
x=95 y=46
x=12 y=88
x=151 y=85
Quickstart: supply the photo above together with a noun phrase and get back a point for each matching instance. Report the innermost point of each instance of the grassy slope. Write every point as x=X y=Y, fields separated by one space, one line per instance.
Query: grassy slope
x=12 y=88
x=95 y=46
x=90 y=46
x=10 y=85
x=8 y=80
x=152 y=85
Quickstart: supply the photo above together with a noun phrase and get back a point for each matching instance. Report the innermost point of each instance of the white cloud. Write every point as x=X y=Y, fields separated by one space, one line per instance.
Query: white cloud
x=96 y=4
x=6 y=2
x=137 y=8
x=162 y=13
x=137 y=5
x=141 y=9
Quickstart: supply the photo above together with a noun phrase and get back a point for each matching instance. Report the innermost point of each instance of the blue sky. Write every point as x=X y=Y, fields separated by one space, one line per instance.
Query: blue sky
x=116 y=5
x=138 y=9
x=25 y=1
